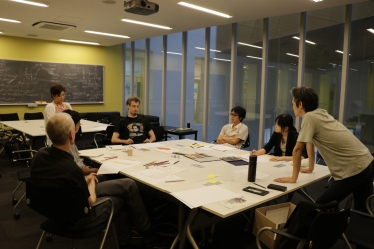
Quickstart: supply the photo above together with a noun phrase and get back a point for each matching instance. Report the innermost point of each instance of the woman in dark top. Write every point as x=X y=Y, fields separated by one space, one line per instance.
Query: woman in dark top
x=283 y=140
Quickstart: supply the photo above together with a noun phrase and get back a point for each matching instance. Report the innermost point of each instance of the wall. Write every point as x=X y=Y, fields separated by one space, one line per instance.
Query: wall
x=15 y=48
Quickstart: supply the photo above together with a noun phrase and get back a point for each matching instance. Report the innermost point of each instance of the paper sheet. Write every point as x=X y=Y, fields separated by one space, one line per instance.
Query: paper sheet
x=155 y=175
x=113 y=166
x=222 y=147
x=203 y=196
x=259 y=175
x=173 y=169
x=115 y=147
x=98 y=128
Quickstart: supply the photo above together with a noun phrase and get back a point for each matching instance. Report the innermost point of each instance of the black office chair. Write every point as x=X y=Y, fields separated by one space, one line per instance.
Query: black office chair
x=360 y=230
x=368 y=206
x=63 y=206
x=312 y=226
x=33 y=115
x=113 y=119
x=160 y=133
x=107 y=137
x=95 y=116
x=23 y=176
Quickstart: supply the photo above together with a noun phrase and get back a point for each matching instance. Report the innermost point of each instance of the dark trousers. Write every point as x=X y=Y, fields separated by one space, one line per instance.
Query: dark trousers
x=361 y=185
x=129 y=209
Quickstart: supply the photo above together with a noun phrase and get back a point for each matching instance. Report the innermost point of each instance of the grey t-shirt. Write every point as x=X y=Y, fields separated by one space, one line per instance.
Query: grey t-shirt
x=343 y=153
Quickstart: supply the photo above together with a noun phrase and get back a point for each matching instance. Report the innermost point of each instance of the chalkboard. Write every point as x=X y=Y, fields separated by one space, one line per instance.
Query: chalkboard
x=23 y=82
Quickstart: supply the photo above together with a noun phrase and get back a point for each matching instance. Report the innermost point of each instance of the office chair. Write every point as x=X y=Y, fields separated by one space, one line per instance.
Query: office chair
x=360 y=230
x=320 y=227
x=23 y=176
x=368 y=200
x=95 y=116
x=113 y=119
x=33 y=115
x=107 y=137
x=63 y=206
x=160 y=133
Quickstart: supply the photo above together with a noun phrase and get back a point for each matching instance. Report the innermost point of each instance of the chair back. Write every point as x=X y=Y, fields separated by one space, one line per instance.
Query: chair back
x=360 y=230
x=63 y=204
x=247 y=143
x=9 y=117
x=33 y=115
x=113 y=119
x=327 y=228
x=159 y=133
x=94 y=116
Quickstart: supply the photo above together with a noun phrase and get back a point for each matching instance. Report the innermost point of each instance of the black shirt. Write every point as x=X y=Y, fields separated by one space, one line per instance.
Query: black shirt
x=135 y=128
x=275 y=141
x=52 y=167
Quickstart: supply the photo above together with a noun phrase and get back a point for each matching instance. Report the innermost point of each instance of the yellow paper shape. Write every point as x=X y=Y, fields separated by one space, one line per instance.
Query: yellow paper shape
x=211 y=181
x=211 y=175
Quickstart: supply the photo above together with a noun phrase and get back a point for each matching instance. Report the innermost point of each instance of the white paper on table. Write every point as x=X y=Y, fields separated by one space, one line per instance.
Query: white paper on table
x=206 y=147
x=237 y=202
x=173 y=169
x=168 y=150
x=263 y=158
x=155 y=175
x=259 y=175
x=202 y=196
x=113 y=166
x=222 y=147
x=245 y=157
x=98 y=128
x=146 y=145
x=91 y=153
x=115 y=147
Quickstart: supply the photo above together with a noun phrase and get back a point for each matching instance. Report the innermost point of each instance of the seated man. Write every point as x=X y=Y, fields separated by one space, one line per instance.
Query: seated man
x=133 y=129
x=236 y=133
x=74 y=149
x=54 y=166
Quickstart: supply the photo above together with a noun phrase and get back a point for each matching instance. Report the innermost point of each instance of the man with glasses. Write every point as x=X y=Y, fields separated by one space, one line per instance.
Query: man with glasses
x=236 y=133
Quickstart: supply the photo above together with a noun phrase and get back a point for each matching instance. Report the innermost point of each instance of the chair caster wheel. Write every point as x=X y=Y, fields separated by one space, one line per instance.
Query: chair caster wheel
x=201 y=244
x=14 y=201
x=16 y=216
x=48 y=237
x=210 y=240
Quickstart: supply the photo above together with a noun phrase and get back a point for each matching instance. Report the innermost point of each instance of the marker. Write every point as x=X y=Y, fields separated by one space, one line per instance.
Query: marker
x=147 y=164
x=176 y=162
x=175 y=181
x=259 y=185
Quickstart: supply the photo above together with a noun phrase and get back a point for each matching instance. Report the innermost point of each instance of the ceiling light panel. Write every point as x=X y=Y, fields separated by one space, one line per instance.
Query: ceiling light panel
x=196 y=7
x=249 y=45
x=219 y=59
x=146 y=24
x=81 y=42
x=34 y=3
x=9 y=20
x=292 y=54
x=211 y=50
x=106 y=34
x=254 y=57
x=310 y=42
x=371 y=30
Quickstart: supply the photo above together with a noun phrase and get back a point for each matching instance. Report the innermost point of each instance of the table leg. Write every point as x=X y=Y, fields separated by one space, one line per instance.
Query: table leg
x=187 y=231
x=180 y=224
x=303 y=193
x=196 y=136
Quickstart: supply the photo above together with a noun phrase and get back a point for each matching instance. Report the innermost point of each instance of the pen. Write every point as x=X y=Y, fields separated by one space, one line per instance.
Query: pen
x=160 y=163
x=106 y=158
x=175 y=181
x=259 y=185
x=132 y=147
x=149 y=163
x=176 y=162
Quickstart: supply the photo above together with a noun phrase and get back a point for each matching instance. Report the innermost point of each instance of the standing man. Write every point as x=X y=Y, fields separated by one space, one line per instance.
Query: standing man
x=349 y=161
x=133 y=129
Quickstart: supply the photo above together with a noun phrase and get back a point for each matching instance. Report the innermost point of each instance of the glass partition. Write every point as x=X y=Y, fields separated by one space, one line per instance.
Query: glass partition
x=155 y=76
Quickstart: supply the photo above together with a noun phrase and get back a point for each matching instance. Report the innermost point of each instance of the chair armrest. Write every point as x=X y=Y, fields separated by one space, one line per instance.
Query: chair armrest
x=368 y=204
x=110 y=216
x=282 y=233
x=169 y=137
x=101 y=134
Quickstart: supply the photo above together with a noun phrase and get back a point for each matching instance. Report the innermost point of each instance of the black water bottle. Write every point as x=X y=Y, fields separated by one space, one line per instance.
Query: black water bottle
x=252 y=168
x=188 y=124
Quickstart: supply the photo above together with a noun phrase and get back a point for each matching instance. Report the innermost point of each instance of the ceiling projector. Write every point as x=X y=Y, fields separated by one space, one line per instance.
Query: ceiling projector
x=141 y=7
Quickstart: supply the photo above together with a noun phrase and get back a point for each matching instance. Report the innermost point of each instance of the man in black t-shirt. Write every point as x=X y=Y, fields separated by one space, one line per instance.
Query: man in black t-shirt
x=55 y=167
x=133 y=129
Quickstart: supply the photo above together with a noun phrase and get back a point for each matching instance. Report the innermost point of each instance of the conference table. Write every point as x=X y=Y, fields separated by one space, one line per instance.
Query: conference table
x=36 y=128
x=188 y=175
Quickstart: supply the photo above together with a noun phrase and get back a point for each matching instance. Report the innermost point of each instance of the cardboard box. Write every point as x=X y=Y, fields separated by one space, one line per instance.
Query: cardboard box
x=267 y=217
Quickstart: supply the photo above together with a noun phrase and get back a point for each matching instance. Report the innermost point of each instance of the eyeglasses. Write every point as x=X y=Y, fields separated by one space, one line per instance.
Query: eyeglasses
x=233 y=114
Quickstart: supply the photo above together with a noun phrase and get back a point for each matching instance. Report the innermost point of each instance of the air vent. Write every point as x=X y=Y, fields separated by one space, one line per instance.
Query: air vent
x=53 y=26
